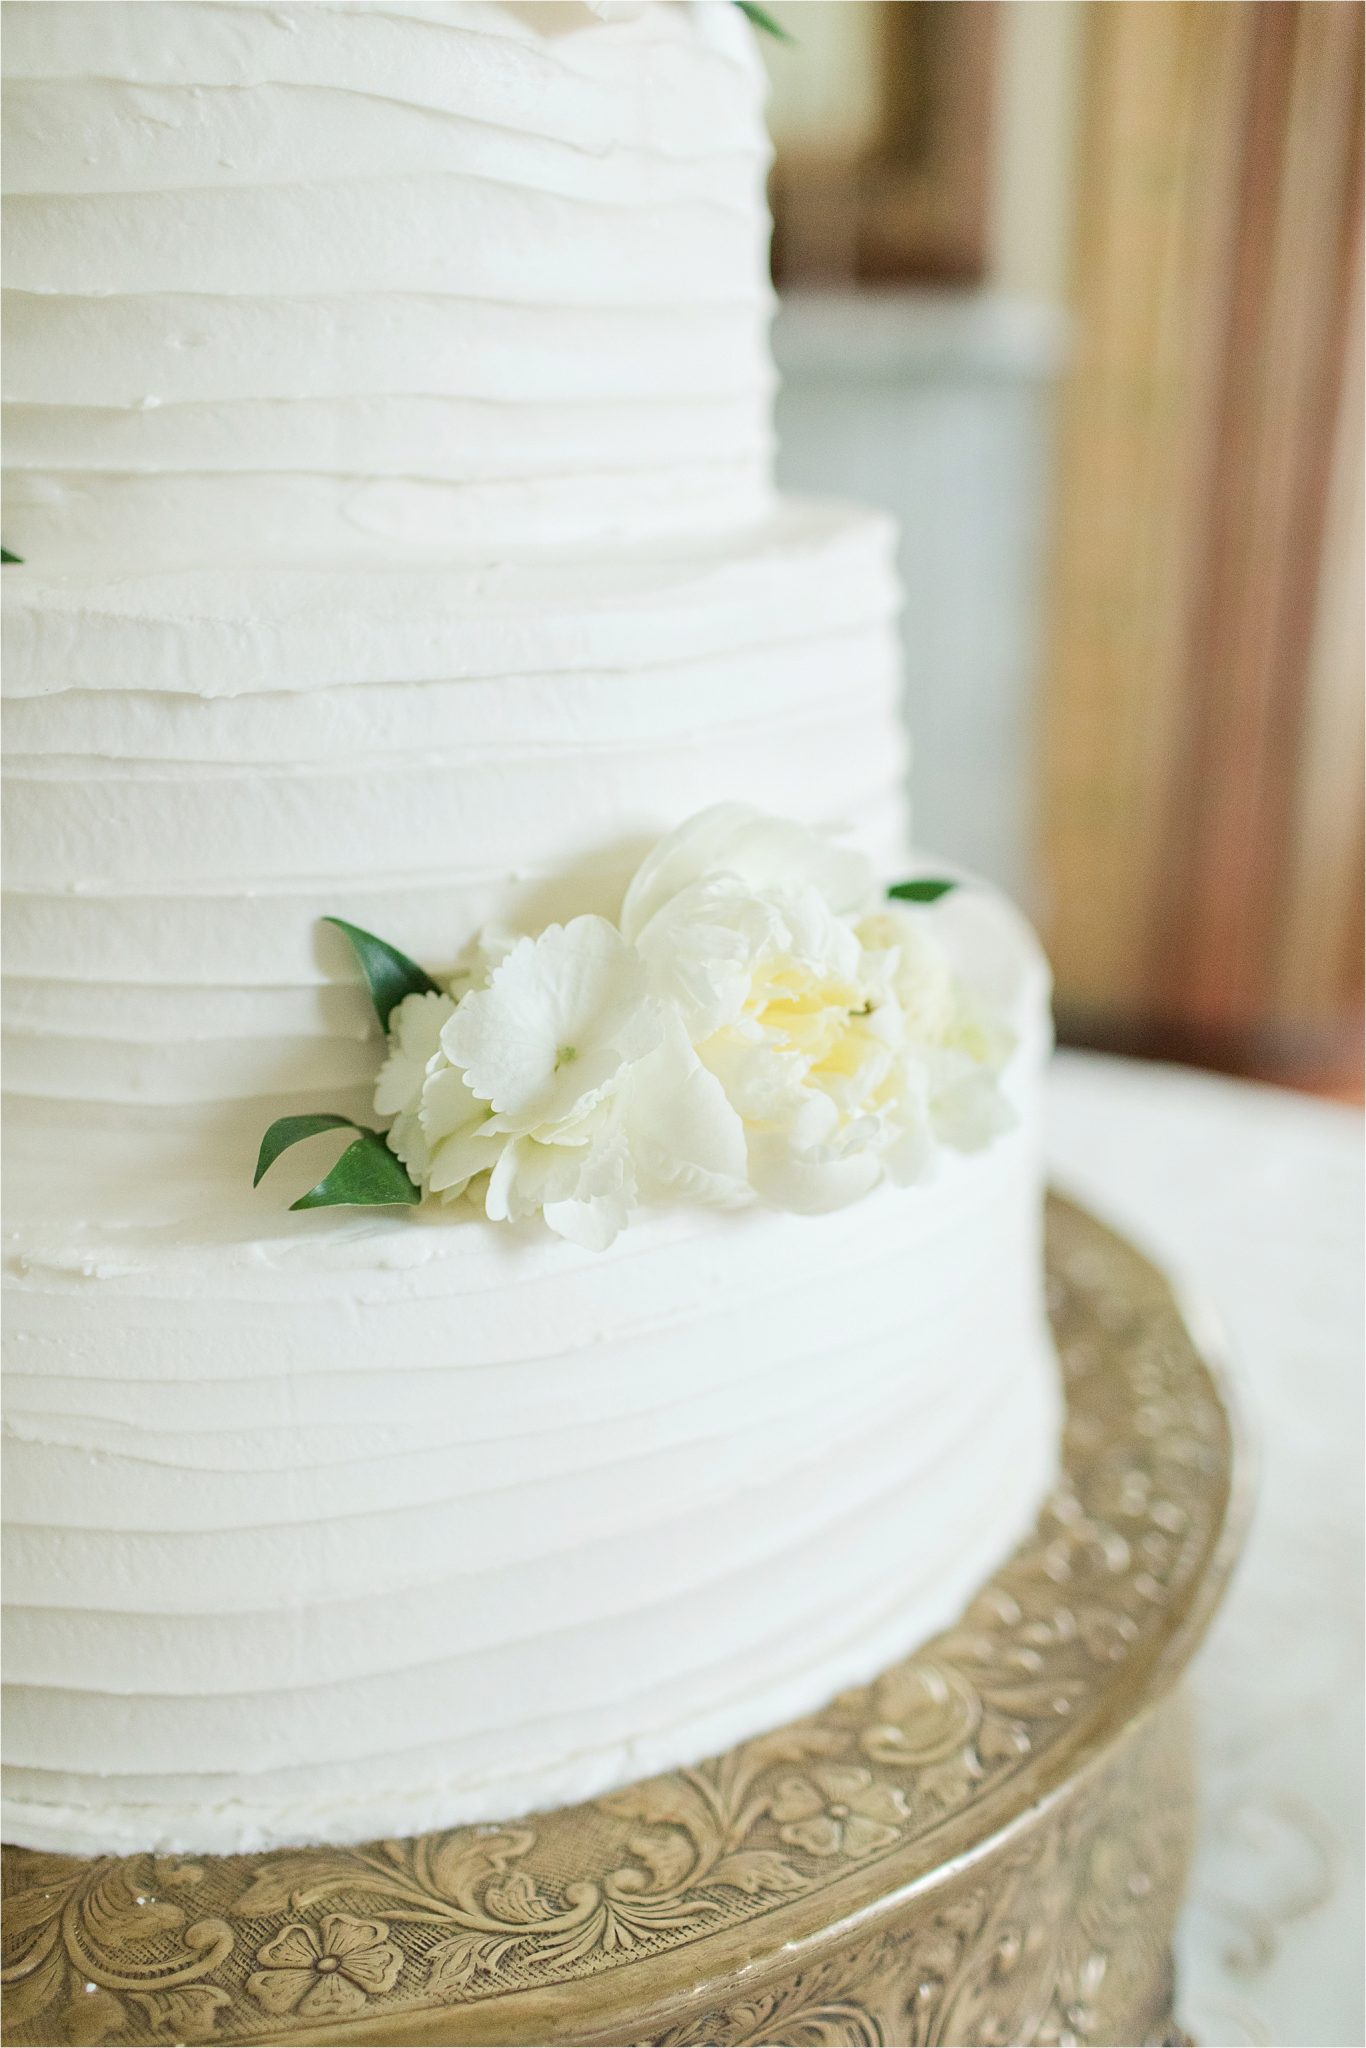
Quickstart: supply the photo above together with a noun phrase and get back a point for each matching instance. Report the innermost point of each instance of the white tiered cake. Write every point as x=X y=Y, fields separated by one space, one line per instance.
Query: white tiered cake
x=388 y=457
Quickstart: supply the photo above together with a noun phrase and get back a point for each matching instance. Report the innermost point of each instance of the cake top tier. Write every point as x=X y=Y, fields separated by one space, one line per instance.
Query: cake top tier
x=361 y=282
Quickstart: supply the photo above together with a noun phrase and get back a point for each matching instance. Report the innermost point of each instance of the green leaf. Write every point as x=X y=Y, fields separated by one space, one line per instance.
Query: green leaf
x=292 y=1130
x=762 y=19
x=6 y=556
x=367 y=1175
x=927 y=891
x=389 y=974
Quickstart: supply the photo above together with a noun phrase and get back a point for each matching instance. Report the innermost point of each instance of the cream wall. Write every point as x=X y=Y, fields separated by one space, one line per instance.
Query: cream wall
x=1038 y=88
x=937 y=406
x=824 y=91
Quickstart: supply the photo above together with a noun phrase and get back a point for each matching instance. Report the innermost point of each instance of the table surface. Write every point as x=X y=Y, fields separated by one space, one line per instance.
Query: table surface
x=1253 y=1200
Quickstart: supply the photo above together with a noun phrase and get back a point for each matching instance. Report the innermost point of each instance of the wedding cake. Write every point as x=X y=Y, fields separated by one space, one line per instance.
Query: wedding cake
x=389 y=468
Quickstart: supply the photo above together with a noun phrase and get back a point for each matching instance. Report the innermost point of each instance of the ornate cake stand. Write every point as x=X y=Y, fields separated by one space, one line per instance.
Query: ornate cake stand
x=987 y=1844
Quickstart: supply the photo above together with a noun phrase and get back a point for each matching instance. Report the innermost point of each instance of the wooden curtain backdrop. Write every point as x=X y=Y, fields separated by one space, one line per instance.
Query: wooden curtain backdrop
x=1202 y=753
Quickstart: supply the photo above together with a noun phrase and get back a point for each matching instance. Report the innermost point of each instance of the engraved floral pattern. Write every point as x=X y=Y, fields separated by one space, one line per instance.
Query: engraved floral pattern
x=1052 y=1945
x=326 y=1973
x=838 y=1810
x=1006 y=1961
x=107 y=1947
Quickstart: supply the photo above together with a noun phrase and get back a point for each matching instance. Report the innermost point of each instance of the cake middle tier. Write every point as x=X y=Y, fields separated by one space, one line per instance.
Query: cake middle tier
x=329 y=1525
x=200 y=767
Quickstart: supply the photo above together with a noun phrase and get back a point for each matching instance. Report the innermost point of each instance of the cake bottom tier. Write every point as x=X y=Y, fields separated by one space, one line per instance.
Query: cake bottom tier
x=988 y=1843
x=380 y=1526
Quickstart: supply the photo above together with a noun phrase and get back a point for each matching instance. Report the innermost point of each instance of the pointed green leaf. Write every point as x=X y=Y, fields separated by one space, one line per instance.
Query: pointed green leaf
x=762 y=19
x=6 y=556
x=928 y=891
x=389 y=974
x=292 y=1130
x=367 y=1176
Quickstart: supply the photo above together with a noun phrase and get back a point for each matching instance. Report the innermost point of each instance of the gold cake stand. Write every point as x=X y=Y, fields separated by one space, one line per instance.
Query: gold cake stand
x=987 y=1844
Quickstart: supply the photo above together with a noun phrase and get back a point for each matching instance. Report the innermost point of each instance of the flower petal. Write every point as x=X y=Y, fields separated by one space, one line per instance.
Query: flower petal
x=795 y=1799
x=406 y=1142
x=331 y=1996
x=971 y=1113
x=841 y=1781
x=375 y=1968
x=762 y=852
x=909 y=1152
x=448 y=1106
x=414 y=1042
x=862 y=1836
x=279 y=1991
x=681 y=858
x=517 y=1180
x=397 y=1085
x=342 y=1935
x=294 y=1948
x=882 y=1803
x=457 y=1159
x=809 y=1184
x=415 y=1026
x=703 y=948
x=819 y=1836
x=594 y=1225
x=684 y=1135
x=560 y=1016
x=919 y=971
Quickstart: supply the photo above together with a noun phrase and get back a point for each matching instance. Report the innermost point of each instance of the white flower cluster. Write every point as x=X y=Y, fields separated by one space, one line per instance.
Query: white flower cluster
x=752 y=1028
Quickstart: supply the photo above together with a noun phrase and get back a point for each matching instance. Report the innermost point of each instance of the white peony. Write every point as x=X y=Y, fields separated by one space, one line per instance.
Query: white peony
x=837 y=1033
x=957 y=1040
x=686 y=1139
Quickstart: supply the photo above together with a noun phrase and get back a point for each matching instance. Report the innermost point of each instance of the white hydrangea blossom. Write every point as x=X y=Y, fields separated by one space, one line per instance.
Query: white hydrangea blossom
x=414 y=1042
x=756 y=1027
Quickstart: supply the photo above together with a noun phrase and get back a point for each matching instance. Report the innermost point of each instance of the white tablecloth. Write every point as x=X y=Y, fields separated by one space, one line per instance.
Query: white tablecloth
x=1253 y=1198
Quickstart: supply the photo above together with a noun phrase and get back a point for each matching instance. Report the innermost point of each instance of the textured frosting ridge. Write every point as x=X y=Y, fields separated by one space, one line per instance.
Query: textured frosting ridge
x=199 y=765
x=387 y=443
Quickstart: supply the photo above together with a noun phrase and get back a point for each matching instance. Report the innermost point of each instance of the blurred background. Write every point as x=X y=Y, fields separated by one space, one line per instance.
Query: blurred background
x=1074 y=288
